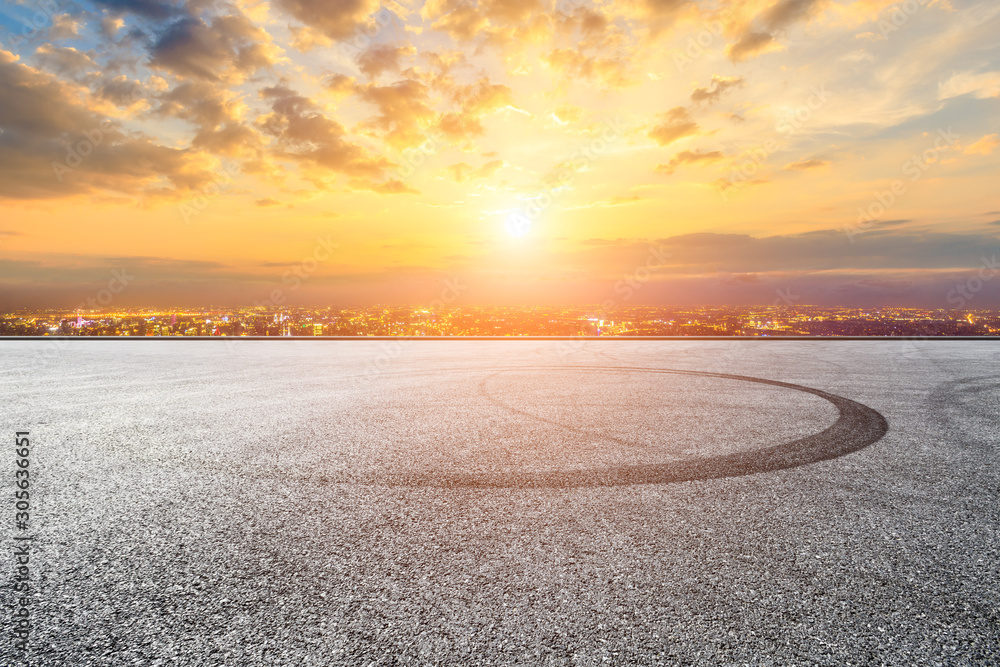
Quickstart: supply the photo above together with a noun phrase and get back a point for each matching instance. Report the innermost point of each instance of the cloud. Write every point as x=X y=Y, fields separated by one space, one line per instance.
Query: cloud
x=35 y=103
x=754 y=41
x=266 y=202
x=658 y=15
x=483 y=97
x=65 y=60
x=64 y=26
x=303 y=133
x=388 y=187
x=460 y=20
x=228 y=47
x=458 y=127
x=610 y=72
x=620 y=200
x=828 y=250
x=720 y=84
x=154 y=9
x=982 y=86
x=336 y=19
x=588 y=20
x=899 y=268
x=445 y=61
x=215 y=112
x=320 y=145
x=52 y=146
x=498 y=21
x=688 y=157
x=461 y=172
x=200 y=102
x=984 y=146
x=121 y=91
x=340 y=85
x=785 y=12
x=490 y=168
x=750 y=45
x=674 y=125
x=607 y=242
x=726 y=185
x=891 y=223
x=475 y=101
x=568 y=113
x=803 y=165
x=383 y=58
x=404 y=112
x=110 y=25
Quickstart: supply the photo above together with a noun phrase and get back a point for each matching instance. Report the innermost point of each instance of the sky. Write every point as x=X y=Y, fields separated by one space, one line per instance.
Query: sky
x=516 y=152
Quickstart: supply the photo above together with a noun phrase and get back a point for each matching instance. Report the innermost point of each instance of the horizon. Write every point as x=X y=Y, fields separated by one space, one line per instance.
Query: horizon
x=457 y=321
x=422 y=307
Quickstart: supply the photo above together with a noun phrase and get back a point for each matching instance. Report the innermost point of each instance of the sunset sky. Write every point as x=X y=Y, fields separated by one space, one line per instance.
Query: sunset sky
x=507 y=151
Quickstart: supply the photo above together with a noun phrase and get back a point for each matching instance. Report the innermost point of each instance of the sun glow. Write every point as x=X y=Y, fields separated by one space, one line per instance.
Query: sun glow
x=518 y=225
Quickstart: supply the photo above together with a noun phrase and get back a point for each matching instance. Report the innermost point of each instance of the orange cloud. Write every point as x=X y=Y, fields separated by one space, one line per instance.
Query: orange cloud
x=215 y=112
x=803 y=165
x=390 y=186
x=224 y=48
x=336 y=20
x=984 y=146
x=475 y=101
x=718 y=87
x=495 y=20
x=750 y=45
x=567 y=113
x=54 y=146
x=404 y=111
x=610 y=72
x=757 y=36
x=688 y=157
x=463 y=171
x=383 y=58
x=674 y=125
x=66 y=60
x=304 y=134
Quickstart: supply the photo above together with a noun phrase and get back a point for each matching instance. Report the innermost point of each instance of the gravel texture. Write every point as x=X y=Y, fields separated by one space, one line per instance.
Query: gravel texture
x=508 y=502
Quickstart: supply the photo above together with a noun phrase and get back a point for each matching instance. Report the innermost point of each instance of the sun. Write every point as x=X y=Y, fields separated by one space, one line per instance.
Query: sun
x=518 y=224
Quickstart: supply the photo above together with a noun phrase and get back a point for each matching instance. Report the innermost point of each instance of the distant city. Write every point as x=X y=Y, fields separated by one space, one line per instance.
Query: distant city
x=505 y=321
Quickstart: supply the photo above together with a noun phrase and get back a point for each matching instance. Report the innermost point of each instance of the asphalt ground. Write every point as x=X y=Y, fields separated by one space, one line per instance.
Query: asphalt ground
x=507 y=502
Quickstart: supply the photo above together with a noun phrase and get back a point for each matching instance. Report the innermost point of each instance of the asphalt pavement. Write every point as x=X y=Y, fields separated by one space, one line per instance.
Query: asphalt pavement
x=507 y=502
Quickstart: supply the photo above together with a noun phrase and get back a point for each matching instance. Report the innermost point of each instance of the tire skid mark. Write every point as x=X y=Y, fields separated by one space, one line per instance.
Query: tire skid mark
x=857 y=427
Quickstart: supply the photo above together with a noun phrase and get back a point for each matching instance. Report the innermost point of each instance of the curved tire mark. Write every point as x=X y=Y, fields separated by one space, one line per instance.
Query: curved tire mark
x=857 y=427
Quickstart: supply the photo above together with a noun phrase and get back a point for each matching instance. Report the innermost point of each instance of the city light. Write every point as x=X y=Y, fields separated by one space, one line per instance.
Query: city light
x=741 y=321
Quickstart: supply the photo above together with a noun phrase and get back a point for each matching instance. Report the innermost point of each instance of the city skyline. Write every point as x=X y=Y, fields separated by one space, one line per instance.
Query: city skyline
x=525 y=151
x=456 y=321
